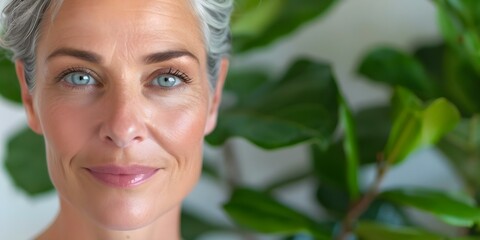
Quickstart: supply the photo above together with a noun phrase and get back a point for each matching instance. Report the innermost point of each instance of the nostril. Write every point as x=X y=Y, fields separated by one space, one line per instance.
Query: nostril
x=111 y=140
x=114 y=141
x=123 y=142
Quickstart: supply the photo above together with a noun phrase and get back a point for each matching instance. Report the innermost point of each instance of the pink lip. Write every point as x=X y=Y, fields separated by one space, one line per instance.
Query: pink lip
x=122 y=177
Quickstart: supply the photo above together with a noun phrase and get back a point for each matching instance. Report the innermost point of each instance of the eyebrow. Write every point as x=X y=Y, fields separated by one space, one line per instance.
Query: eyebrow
x=95 y=58
x=165 y=56
x=80 y=54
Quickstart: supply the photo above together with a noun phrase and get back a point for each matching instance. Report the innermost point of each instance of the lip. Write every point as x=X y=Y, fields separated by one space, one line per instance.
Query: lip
x=122 y=176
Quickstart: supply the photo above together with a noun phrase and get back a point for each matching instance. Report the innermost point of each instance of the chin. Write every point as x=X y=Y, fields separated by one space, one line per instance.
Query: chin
x=126 y=216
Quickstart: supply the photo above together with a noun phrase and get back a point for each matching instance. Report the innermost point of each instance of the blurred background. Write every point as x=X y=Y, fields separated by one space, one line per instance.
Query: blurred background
x=341 y=38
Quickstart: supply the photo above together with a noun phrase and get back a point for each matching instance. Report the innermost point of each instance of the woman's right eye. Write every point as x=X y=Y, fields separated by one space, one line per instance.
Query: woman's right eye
x=80 y=79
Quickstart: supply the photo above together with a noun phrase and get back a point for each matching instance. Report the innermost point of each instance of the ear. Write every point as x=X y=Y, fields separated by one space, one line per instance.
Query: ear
x=27 y=98
x=217 y=97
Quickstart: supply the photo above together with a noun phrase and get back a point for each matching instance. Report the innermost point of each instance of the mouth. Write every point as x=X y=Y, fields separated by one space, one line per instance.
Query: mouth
x=122 y=177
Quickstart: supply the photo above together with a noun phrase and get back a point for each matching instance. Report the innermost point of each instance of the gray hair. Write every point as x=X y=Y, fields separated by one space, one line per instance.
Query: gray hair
x=22 y=18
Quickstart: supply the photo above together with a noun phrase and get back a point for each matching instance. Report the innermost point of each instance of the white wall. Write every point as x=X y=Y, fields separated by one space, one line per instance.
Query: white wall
x=340 y=38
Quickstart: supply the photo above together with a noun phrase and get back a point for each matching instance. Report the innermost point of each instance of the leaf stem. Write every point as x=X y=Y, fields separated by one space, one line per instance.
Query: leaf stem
x=362 y=205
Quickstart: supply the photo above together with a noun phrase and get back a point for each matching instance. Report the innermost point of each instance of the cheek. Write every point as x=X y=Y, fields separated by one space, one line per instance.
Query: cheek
x=185 y=145
x=180 y=130
x=66 y=127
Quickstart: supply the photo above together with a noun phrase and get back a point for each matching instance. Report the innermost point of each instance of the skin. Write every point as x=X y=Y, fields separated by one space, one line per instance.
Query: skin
x=123 y=117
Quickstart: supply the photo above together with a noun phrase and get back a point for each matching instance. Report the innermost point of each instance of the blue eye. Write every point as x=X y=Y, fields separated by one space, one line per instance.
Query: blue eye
x=80 y=79
x=167 y=81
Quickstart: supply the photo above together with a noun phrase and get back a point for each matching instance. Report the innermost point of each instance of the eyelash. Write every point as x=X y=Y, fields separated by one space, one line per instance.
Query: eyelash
x=177 y=73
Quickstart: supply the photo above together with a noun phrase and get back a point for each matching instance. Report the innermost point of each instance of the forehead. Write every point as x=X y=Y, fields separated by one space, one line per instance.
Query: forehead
x=131 y=25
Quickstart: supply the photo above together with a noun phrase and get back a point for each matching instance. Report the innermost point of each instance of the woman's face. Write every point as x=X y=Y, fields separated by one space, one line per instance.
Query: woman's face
x=123 y=101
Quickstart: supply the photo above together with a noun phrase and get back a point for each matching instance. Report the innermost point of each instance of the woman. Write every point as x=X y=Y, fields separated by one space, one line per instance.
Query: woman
x=123 y=93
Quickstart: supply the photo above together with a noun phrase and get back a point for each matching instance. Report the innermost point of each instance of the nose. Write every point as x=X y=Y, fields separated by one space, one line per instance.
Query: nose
x=123 y=122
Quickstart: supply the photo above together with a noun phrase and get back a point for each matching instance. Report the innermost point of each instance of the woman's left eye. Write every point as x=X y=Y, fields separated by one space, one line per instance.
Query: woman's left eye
x=167 y=80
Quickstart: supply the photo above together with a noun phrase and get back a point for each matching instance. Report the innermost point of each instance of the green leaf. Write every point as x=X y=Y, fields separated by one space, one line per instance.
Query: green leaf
x=439 y=118
x=404 y=137
x=447 y=208
x=432 y=58
x=301 y=106
x=330 y=165
x=350 y=147
x=193 y=226
x=461 y=82
x=376 y=231
x=386 y=213
x=404 y=99
x=463 y=238
x=414 y=128
x=242 y=83
x=257 y=25
x=298 y=237
x=458 y=22
x=454 y=76
x=264 y=131
x=395 y=68
x=262 y=213
x=25 y=162
x=333 y=199
x=9 y=87
x=373 y=126
x=448 y=22
x=288 y=180
x=252 y=17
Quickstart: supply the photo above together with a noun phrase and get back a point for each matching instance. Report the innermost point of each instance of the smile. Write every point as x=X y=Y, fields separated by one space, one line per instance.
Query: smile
x=122 y=177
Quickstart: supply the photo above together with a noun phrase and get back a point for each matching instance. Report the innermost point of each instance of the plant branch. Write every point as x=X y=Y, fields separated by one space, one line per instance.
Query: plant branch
x=362 y=205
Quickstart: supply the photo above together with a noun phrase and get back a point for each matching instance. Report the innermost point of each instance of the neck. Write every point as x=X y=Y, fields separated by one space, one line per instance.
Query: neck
x=71 y=224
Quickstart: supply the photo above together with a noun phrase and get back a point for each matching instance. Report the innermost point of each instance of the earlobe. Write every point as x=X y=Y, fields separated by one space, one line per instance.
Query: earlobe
x=217 y=97
x=27 y=98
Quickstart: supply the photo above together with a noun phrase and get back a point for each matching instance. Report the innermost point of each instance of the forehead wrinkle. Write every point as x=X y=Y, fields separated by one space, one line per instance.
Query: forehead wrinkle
x=109 y=59
x=139 y=27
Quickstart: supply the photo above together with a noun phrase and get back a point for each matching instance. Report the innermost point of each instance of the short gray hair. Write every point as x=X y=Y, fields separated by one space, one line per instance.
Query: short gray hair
x=21 y=21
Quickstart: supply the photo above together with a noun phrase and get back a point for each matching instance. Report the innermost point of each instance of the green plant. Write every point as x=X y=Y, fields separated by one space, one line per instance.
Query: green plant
x=305 y=105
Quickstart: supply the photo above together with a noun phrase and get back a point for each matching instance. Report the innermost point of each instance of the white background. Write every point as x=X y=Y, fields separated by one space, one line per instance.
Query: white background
x=341 y=37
